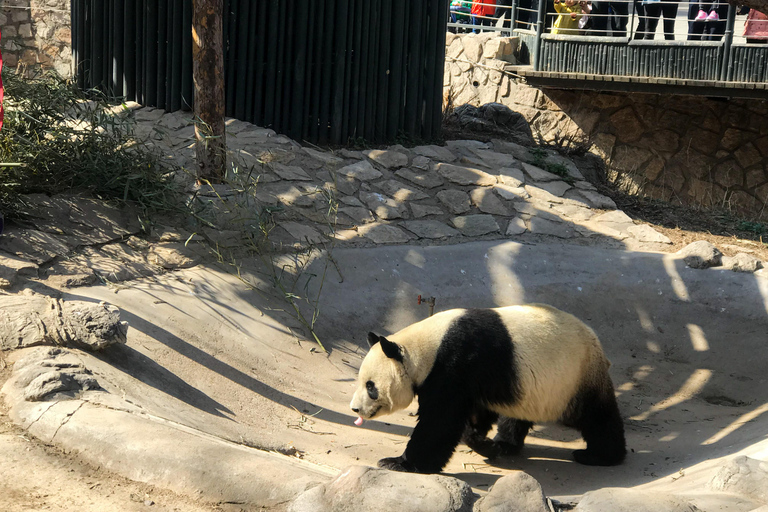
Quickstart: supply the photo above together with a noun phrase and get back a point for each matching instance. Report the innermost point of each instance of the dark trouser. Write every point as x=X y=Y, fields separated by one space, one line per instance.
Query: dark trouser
x=485 y=21
x=649 y=19
x=706 y=30
x=609 y=16
x=504 y=10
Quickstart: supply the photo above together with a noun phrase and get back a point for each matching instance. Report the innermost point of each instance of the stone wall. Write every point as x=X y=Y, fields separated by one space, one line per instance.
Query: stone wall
x=36 y=33
x=686 y=149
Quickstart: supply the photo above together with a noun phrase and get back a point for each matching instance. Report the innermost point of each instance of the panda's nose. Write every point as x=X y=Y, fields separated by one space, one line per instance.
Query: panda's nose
x=355 y=410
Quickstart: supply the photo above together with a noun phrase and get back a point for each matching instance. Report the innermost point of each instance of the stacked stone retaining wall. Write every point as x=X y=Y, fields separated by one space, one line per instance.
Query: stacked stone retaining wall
x=696 y=150
x=36 y=33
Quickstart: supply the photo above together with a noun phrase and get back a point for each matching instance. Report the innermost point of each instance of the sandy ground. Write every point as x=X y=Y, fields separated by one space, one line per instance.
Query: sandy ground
x=206 y=351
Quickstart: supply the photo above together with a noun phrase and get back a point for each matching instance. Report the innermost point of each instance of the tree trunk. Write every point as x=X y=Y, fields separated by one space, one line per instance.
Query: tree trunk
x=208 y=76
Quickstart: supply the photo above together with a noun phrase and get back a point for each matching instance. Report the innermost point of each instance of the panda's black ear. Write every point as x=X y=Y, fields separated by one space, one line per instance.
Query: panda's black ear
x=391 y=350
x=372 y=339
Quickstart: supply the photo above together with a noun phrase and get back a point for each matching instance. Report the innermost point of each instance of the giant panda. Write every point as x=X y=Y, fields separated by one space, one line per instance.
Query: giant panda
x=526 y=364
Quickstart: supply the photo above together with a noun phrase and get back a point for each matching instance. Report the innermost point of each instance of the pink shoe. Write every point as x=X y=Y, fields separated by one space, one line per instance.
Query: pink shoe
x=713 y=16
x=701 y=16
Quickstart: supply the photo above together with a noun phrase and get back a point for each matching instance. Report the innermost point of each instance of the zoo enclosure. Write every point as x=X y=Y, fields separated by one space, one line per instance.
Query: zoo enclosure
x=324 y=71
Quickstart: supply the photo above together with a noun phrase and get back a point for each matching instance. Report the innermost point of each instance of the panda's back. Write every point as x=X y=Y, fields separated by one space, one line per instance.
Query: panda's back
x=524 y=361
x=555 y=355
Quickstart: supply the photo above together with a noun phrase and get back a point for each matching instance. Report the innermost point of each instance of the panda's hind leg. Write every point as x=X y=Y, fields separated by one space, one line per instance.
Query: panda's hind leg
x=476 y=433
x=511 y=435
x=596 y=414
x=508 y=441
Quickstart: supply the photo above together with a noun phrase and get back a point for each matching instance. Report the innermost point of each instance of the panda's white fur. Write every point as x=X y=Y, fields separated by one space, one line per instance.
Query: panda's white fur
x=556 y=367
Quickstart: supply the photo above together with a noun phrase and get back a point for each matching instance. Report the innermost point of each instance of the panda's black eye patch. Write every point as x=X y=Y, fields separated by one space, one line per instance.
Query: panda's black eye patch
x=372 y=391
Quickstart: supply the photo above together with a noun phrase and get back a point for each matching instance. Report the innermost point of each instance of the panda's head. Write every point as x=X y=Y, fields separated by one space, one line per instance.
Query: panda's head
x=383 y=386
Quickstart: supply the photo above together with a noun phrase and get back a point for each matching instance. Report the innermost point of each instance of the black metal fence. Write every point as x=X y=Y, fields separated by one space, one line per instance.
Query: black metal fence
x=324 y=71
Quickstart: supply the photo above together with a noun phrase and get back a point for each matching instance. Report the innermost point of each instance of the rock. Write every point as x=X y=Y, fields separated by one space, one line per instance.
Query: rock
x=173 y=256
x=516 y=492
x=511 y=193
x=743 y=475
x=400 y=192
x=475 y=225
x=516 y=226
x=429 y=229
x=33 y=245
x=511 y=176
x=390 y=159
x=520 y=152
x=439 y=153
x=496 y=160
x=645 y=233
x=742 y=262
x=423 y=179
x=302 y=232
x=384 y=207
x=285 y=193
x=456 y=201
x=596 y=200
x=700 y=254
x=487 y=202
x=629 y=500
x=384 y=234
x=360 y=215
x=29 y=320
x=464 y=175
x=556 y=188
x=539 y=174
x=493 y=119
x=326 y=158
x=362 y=170
x=13 y=268
x=363 y=489
x=290 y=172
x=422 y=210
x=541 y=226
x=69 y=381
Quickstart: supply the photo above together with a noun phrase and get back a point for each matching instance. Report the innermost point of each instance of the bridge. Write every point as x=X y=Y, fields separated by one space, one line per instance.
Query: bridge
x=695 y=57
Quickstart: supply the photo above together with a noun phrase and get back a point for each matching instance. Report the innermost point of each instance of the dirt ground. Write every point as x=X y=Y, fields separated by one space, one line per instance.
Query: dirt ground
x=42 y=477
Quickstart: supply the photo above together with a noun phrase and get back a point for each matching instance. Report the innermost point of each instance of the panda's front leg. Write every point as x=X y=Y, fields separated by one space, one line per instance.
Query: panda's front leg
x=435 y=437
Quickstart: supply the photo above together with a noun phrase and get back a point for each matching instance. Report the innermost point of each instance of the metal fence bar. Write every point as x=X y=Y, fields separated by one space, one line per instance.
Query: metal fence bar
x=319 y=70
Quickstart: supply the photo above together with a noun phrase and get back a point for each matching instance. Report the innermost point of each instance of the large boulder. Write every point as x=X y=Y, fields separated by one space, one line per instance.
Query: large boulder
x=364 y=489
x=28 y=320
x=516 y=492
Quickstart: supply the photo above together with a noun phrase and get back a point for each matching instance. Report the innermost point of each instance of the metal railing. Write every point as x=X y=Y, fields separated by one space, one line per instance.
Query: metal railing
x=639 y=38
x=324 y=71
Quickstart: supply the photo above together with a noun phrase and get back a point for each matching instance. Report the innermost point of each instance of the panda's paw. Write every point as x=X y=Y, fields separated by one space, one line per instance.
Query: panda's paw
x=508 y=449
x=397 y=464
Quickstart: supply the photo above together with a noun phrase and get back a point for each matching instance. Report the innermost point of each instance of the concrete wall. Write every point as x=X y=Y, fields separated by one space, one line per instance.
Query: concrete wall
x=692 y=150
x=36 y=33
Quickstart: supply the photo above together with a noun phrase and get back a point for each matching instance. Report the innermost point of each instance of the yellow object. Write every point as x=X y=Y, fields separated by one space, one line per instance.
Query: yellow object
x=565 y=24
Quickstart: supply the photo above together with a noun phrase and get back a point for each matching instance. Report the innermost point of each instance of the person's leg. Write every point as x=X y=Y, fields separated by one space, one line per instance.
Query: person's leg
x=641 y=20
x=669 y=10
x=600 y=17
x=620 y=17
x=653 y=11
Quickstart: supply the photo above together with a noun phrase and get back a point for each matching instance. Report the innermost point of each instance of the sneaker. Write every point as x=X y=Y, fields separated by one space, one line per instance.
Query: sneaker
x=713 y=16
x=701 y=16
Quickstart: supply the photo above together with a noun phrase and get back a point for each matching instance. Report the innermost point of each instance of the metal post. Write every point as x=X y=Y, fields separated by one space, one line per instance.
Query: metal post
x=726 y=66
x=540 y=18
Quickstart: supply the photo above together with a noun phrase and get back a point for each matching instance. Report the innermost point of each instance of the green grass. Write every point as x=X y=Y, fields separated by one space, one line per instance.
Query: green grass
x=56 y=138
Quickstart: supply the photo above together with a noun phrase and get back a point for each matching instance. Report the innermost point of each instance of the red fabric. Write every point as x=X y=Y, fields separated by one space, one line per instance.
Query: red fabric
x=756 y=25
x=2 y=91
x=484 y=7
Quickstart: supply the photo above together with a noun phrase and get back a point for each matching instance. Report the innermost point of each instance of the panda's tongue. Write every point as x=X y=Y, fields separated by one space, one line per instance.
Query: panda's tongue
x=359 y=421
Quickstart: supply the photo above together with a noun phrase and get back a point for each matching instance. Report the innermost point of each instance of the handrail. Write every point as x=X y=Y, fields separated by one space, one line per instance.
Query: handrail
x=727 y=65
